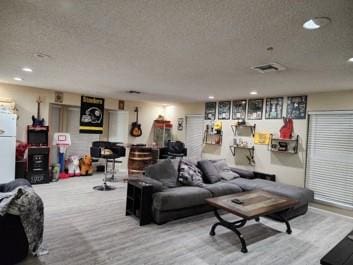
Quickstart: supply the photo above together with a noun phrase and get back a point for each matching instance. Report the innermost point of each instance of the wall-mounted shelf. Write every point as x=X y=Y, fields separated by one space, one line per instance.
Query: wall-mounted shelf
x=251 y=151
x=244 y=141
x=236 y=128
x=212 y=138
x=281 y=145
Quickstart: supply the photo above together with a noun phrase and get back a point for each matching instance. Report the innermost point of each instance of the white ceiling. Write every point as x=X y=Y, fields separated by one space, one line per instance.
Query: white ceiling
x=175 y=50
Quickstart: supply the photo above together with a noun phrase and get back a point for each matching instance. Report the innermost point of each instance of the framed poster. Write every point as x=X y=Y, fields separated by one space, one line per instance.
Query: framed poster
x=239 y=109
x=255 y=108
x=180 y=124
x=224 y=110
x=274 y=108
x=296 y=107
x=121 y=105
x=91 y=115
x=210 y=110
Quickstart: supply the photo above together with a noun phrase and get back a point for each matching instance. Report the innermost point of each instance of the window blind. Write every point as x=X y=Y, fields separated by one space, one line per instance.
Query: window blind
x=329 y=171
x=194 y=135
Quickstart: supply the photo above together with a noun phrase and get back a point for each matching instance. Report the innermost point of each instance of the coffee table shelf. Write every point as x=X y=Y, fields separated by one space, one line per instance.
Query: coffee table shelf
x=250 y=205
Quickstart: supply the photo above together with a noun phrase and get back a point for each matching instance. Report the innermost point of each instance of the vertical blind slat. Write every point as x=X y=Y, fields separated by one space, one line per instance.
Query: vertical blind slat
x=329 y=170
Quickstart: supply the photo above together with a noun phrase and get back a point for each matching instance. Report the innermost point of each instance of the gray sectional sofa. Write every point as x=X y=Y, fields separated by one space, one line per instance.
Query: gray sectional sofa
x=171 y=201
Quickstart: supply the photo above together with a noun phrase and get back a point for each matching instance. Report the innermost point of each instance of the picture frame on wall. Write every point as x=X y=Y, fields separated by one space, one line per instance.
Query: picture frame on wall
x=239 y=109
x=274 y=108
x=255 y=109
x=224 y=110
x=210 y=110
x=296 y=107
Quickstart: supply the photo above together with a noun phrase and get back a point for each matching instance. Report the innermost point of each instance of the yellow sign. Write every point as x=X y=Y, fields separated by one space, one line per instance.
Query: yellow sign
x=262 y=138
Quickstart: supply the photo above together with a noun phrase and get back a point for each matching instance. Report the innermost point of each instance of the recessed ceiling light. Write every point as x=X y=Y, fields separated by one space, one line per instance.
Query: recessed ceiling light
x=27 y=69
x=211 y=97
x=17 y=78
x=350 y=60
x=316 y=23
x=253 y=92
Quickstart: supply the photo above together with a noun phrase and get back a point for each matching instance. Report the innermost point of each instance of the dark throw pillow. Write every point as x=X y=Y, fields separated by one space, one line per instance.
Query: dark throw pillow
x=210 y=172
x=189 y=174
x=165 y=172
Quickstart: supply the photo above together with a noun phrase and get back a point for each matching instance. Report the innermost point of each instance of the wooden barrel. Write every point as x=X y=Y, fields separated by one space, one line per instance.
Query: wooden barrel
x=139 y=158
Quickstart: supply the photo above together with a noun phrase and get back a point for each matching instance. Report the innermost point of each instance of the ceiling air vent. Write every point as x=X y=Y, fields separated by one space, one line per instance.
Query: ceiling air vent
x=266 y=68
x=133 y=92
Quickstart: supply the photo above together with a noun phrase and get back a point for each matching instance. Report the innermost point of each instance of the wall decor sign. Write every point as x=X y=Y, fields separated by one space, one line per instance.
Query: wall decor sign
x=296 y=107
x=274 y=108
x=180 y=124
x=262 y=138
x=210 y=110
x=58 y=97
x=91 y=115
x=121 y=105
x=224 y=110
x=255 y=108
x=239 y=109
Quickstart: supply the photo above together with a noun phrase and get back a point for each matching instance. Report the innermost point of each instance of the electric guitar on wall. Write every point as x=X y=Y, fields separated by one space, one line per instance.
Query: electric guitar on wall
x=38 y=121
x=136 y=126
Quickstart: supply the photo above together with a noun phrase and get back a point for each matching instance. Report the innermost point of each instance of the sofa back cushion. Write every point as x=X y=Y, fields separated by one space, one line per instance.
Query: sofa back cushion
x=163 y=171
x=189 y=174
x=210 y=172
x=224 y=171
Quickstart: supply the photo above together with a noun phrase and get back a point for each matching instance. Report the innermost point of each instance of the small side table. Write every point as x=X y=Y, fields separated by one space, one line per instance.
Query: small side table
x=139 y=200
x=341 y=254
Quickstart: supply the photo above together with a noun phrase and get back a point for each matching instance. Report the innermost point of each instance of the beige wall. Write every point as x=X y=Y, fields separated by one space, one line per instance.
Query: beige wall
x=288 y=168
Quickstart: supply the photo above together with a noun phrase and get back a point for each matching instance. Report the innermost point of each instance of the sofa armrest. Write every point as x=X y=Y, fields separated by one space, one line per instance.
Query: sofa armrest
x=266 y=176
x=248 y=174
x=157 y=185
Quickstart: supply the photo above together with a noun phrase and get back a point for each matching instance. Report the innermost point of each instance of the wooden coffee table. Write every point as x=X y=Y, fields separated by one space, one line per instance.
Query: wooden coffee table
x=253 y=204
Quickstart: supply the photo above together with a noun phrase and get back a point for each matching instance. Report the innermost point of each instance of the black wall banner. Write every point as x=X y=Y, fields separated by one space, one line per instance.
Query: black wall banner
x=91 y=116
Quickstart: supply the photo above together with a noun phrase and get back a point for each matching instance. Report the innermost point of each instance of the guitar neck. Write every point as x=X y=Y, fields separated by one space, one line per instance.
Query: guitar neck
x=137 y=115
x=38 y=111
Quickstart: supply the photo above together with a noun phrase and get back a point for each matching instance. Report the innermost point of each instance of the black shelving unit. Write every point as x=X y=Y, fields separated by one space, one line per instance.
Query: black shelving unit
x=280 y=145
x=139 y=201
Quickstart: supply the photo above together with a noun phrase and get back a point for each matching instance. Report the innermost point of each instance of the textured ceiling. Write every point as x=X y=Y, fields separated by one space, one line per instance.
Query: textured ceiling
x=174 y=50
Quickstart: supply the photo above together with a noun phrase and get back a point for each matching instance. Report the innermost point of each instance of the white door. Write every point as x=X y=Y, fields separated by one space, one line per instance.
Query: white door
x=118 y=126
x=7 y=159
x=194 y=136
x=80 y=142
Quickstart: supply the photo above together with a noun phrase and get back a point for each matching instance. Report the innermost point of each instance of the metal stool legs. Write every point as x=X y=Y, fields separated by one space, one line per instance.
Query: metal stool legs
x=105 y=186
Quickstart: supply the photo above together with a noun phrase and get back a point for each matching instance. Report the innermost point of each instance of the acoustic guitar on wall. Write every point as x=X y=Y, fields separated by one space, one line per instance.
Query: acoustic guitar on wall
x=136 y=126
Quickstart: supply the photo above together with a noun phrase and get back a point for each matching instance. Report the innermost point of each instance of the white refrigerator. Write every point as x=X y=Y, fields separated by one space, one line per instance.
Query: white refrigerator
x=7 y=147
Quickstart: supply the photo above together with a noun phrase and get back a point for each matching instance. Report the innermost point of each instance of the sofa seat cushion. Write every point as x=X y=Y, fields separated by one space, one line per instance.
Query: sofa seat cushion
x=245 y=184
x=303 y=195
x=181 y=197
x=222 y=188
